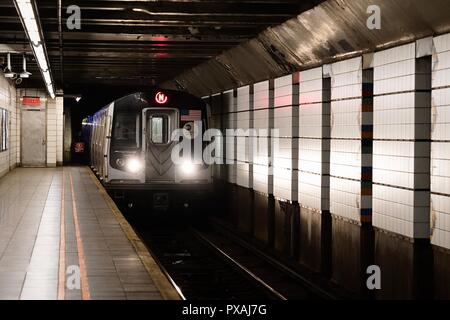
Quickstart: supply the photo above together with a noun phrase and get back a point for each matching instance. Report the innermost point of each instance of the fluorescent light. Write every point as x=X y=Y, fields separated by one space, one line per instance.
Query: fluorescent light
x=51 y=91
x=30 y=22
x=40 y=57
x=47 y=77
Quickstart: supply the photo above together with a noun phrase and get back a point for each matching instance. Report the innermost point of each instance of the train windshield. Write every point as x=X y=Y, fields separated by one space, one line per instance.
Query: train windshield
x=160 y=129
x=126 y=129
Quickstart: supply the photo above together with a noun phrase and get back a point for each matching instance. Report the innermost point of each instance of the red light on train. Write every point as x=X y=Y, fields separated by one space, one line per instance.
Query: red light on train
x=161 y=98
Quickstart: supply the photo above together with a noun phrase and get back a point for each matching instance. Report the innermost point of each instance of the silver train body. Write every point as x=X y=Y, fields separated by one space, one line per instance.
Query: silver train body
x=129 y=142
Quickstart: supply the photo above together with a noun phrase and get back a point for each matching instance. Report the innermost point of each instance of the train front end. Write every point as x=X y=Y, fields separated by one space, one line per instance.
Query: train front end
x=156 y=148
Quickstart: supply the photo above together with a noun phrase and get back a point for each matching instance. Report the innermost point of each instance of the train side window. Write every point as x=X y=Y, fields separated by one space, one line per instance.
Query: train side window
x=160 y=126
x=126 y=129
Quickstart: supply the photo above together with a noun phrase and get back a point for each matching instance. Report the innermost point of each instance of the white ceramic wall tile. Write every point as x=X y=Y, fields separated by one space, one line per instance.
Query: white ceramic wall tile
x=261 y=95
x=243 y=99
x=229 y=101
x=345 y=198
x=260 y=152
x=441 y=61
x=261 y=122
x=311 y=86
x=244 y=174
x=285 y=153
x=401 y=211
x=284 y=94
x=286 y=121
x=346 y=79
x=243 y=120
x=402 y=116
x=402 y=227
x=346 y=119
x=442 y=43
x=396 y=54
x=313 y=191
x=440 y=126
x=285 y=184
x=314 y=120
x=401 y=163
x=346 y=159
x=262 y=179
x=440 y=167
x=244 y=148
x=440 y=220
x=313 y=156
x=231 y=173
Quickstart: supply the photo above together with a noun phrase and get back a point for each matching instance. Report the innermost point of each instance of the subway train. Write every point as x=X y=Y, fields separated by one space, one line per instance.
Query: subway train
x=129 y=144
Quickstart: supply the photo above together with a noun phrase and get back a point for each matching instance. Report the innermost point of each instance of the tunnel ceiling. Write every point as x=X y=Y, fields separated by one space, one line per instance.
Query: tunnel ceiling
x=139 y=43
x=333 y=30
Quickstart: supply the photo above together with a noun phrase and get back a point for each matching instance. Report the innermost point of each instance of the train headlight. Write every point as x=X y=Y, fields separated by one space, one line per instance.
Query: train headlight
x=120 y=163
x=134 y=165
x=188 y=168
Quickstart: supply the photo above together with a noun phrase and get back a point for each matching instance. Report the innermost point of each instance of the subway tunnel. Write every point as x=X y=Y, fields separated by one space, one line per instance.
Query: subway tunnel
x=225 y=150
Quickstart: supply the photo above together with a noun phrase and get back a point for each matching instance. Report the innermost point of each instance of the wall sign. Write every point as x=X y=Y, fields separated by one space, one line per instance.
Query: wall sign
x=31 y=101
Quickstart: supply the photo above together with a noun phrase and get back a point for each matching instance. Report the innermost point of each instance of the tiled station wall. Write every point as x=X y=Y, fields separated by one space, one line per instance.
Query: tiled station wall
x=11 y=157
x=366 y=139
x=350 y=156
x=55 y=118
x=10 y=99
x=314 y=141
x=440 y=143
x=401 y=169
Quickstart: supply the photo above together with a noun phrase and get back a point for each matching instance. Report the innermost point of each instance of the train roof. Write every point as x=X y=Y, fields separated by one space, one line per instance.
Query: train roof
x=143 y=99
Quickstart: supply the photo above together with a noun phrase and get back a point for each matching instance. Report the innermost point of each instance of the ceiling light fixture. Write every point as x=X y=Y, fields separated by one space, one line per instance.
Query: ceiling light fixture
x=25 y=74
x=8 y=71
x=30 y=21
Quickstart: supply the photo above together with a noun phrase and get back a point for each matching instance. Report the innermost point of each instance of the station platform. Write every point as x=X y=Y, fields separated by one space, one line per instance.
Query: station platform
x=63 y=238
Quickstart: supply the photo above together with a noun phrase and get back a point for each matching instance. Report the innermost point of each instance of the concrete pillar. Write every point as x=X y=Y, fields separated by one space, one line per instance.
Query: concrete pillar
x=285 y=164
x=59 y=130
x=314 y=169
x=285 y=156
x=350 y=196
x=262 y=124
x=314 y=141
x=67 y=136
x=216 y=123
x=229 y=112
x=440 y=146
x=244 y=148
x=401 y=160
x=263 y=204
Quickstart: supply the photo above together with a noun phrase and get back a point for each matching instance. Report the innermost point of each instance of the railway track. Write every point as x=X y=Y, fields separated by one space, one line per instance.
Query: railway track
x=194 y=268
x=207 y=261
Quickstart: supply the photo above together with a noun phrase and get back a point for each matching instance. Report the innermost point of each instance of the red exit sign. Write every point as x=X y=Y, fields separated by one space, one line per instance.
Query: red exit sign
x=31 y=101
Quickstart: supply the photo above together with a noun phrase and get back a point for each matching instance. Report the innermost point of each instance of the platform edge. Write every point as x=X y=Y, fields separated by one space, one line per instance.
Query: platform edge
x=163 y=284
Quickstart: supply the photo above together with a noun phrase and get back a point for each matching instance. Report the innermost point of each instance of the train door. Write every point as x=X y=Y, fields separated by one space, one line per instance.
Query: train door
x=160 y=123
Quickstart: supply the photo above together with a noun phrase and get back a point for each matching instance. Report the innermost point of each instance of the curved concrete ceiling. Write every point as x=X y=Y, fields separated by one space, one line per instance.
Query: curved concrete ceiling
x=333 y=30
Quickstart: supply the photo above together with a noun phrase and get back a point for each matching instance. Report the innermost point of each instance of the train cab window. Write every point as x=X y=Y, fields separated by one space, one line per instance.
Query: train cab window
x=160 y=129
x=126 y=129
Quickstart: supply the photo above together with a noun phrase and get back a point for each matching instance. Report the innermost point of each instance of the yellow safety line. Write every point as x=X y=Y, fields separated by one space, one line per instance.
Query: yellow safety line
x=168 y=290
x=85 y=293
x=62 y=247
